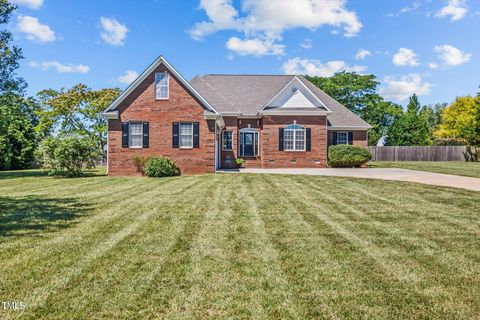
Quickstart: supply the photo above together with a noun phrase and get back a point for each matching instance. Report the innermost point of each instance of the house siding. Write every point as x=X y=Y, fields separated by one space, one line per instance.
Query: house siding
x=181 y=106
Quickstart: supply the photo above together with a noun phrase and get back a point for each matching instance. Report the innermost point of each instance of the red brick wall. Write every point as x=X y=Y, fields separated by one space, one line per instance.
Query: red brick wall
x=359 y=137
x=271 y=157
x=142 y=106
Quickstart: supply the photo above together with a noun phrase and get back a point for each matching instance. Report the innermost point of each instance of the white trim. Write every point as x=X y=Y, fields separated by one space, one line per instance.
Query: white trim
x=304 y=86
x=130 y=134
x=112 y=115
x=168 y=86
x=179 y=135
x=277 y=112
x=256 y=134
x=160 y=60
x=342 y=132
x=222 y=132
x=294 y=140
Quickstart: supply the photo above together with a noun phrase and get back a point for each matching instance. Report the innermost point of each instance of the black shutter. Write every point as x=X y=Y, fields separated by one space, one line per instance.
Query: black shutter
x=196 y=135
x=175 y=138
x=350 y=138
x=335 y=136
x=145 y=135
x=308 y=133
x=124 y=134
x=280 y=139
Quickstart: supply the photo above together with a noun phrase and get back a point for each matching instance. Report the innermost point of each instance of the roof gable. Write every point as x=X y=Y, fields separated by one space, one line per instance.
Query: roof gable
x=159 y=61
x=294 y=92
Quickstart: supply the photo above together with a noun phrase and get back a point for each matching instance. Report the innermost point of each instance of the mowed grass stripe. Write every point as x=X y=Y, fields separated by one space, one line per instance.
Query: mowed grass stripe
x=410 y=271
x=73 y=248
x=155 y=237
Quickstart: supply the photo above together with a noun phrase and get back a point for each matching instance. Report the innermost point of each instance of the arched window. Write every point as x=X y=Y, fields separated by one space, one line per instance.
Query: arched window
x=294 y=138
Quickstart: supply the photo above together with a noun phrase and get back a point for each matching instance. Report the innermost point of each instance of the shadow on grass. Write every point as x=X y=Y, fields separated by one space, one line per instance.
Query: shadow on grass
x=25 y=216
x=4 y=175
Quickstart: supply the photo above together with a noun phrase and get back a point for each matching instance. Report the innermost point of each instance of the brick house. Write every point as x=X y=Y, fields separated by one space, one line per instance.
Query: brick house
x=271 y=121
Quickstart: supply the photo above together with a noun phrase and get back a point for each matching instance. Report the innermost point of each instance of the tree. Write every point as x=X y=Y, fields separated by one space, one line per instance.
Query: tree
x=75 y=111
x=17 y=120
x=352 y=90
x=17 y=133
x=461 y=120
x=359 y=94
x=68 y=156
x=9 y=55
x=410 y=128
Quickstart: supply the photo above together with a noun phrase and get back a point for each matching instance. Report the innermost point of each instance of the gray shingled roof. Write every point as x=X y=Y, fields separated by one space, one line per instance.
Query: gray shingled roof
x=248 y=94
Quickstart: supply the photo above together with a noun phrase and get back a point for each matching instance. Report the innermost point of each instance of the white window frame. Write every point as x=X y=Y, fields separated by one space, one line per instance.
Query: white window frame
x=294 y=128
x=180 y=135
x=342 y=141
x=223 y=140
x=130 y=135
x=157 y=85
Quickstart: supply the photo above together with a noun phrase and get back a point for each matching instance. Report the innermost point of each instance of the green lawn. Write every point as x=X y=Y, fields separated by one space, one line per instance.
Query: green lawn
x=237 y=245
x=461 y=168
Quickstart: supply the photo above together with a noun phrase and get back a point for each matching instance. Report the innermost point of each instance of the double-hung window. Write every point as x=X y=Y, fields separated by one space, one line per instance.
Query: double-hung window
x=161 y=86
x=227 y=141
x=294 y=138
x=135 y=135
x=186 y=135
x=342 y=137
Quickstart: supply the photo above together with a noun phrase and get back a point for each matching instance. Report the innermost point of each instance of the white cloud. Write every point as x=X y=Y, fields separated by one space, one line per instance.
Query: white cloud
x=113 y=32
x=402 y=88
x=316 y=68
x=362 y=54
x=306 y=44
x=255 y=47
x=60 y=67
x=128 y=77
x=268 y=19
x=32 y=4
x=405 y=57
x=433 y=65
x=452 y=56
x=455 y=9
x=35 y=30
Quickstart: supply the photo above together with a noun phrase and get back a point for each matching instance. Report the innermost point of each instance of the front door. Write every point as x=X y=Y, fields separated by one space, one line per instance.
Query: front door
x=248 y=146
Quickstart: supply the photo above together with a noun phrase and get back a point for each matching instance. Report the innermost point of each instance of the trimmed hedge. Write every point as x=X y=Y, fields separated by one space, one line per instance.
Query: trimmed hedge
x=347 y=156
x=156 y=166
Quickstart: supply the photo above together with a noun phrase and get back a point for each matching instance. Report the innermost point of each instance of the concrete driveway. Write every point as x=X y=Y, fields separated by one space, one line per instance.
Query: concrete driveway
x=436 y=179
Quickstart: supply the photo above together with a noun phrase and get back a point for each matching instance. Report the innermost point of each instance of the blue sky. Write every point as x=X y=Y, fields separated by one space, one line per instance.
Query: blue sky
x=429 y=47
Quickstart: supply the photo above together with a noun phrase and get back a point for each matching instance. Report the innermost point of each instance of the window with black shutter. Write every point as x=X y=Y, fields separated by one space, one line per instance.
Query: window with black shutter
x=280 y=139
x=196 y=135
x=146 y=135
x=125 y=130
x=175 y=134
x=308 y=138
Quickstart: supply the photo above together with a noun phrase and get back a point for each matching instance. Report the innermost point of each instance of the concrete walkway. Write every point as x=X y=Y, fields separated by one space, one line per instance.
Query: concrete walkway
x=437 y=179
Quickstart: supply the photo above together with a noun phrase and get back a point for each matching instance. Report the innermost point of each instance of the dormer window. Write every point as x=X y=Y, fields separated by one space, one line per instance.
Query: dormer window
x=161 y=86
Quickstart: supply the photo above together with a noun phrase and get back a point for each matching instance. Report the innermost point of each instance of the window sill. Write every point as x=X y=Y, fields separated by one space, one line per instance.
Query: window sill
x=161 y=99
x=185 y=148
x=135 y=147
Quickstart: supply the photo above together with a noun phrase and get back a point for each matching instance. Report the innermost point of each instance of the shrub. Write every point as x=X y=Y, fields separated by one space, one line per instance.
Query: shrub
x=240 y=162
x=139 y=162
x=156 y=166
x=347 y=156
x=68 y=156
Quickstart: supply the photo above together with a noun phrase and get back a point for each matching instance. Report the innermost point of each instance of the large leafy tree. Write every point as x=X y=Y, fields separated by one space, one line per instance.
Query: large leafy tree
x=359 y=94
x=410 y=128
x=75 y=112
x=17 y=120
x=10 y=55
x=461 y=120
